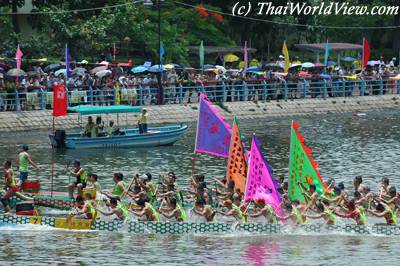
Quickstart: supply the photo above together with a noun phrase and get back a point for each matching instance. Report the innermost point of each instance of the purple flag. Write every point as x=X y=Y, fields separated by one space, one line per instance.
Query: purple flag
x=213 y=133
x=260 y=184
x=67 y=68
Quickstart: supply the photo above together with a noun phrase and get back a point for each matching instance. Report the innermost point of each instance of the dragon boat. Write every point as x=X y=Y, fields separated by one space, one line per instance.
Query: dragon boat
x=137 y=227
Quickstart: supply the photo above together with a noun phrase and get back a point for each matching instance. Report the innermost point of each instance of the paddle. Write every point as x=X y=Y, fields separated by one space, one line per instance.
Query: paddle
x=130 y=185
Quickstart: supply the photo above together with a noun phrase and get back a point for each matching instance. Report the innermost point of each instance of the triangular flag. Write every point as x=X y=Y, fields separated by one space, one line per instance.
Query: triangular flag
x=366 y=53
x=260 y=184
x=213 y=134
x=237 y=165
x=302 y=168
x=287 y=59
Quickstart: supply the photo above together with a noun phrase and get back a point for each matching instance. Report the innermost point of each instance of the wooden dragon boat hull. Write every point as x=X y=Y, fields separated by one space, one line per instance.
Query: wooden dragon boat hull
x=193 y=228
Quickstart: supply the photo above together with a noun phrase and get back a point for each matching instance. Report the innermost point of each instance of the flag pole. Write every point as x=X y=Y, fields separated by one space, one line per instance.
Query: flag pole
x=52 y=156
x=290 y=154
x=195 y=143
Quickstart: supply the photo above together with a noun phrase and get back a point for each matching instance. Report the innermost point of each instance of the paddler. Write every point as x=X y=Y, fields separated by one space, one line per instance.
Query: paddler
x=324 y=213
x=354 y=212
x=311 y=196
x=23 y=162
x=88 y=210
x=116 y=208
x=177 y=211
x=147 y=213
x=147 y=185
x=81 y=179
x=204 y=210
x=10 y=187
x=119 y=186
x=93 y=182
x=234 y=211
x=383 y=210
x=265 y=210
x=296 y=213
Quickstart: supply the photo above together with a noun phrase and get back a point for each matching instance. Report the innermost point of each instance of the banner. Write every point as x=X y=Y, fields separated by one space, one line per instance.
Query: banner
x=60 y=103
x=67 y=68
x=237 y=165
x=260 y=184
x=117 y=93
x=18 y=57
x=213 y=133
x=327 y=52
x=302 y=168
x=246 y=59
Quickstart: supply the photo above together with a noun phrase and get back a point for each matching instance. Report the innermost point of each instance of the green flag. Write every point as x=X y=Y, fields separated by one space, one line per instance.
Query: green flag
x=302 y=167
x=201 y=54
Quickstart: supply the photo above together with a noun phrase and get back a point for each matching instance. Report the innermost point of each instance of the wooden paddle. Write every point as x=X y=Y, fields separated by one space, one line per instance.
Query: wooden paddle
x=130 y=185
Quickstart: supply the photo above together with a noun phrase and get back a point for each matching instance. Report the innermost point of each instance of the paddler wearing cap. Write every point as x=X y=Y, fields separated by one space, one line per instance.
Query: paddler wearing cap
x=262 y=209
x=143 y=120
x=23 y=162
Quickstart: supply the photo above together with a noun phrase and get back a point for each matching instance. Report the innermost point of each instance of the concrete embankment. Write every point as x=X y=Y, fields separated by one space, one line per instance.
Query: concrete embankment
x=42 y=120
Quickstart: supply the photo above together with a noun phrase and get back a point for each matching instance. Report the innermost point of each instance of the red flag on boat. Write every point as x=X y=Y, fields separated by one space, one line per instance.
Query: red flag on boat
x=366 y=53
x=59 y=100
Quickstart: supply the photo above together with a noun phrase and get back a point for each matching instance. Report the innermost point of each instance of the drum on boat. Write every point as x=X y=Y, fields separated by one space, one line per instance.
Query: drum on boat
x=31 y=186
x=25 y=208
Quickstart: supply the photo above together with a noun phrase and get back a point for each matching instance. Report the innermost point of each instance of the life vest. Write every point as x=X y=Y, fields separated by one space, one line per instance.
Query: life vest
x=154 y=213
x=239 y=213
x=331 y=215
x=361 y=215
x=271 y=214
x=10 y=183
x=82 y=178
x=183 y=215
x=92 y=210
x=298 y=217
x=393 y=216
x=152 y=191
x=124 y=210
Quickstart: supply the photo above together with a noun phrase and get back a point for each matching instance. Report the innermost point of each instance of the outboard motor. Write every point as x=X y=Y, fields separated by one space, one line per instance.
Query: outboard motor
x=59 y=138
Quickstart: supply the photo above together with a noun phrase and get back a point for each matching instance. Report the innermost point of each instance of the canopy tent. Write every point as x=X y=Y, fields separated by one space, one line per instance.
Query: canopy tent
x=92 y=110
x=319 y=48
x=222 y=50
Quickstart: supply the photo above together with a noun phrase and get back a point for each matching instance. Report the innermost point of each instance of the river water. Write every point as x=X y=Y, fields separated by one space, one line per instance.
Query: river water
x=344 y=145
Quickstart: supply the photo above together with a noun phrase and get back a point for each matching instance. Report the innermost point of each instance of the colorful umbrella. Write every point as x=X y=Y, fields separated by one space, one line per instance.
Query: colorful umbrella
x=231 y=58
x=15 y=72
x=139 y=69
x=307 y=65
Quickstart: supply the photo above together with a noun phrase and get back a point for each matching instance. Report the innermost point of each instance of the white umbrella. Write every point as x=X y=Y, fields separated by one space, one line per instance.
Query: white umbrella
x=62 y=71
x=98 y=69
x=79 y=71
x=103 y=73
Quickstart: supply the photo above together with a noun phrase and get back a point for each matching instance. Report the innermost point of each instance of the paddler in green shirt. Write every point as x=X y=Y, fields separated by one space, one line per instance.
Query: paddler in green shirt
x=148 y=186
x=23 y=161
x=147 y=213
x=116 y=208
x=178 y=212
x=324 y=213
x=119 y=189
x=81 y=179
x=264 y=210
x=234 y=211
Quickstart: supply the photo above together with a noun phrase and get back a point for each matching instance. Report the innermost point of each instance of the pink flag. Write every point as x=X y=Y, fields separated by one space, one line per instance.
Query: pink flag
x=260 y=184
x=18 y=57
x=246 y=60
x=213 y=133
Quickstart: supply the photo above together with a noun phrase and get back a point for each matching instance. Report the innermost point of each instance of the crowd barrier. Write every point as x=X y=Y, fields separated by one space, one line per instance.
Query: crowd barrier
x=227 y=91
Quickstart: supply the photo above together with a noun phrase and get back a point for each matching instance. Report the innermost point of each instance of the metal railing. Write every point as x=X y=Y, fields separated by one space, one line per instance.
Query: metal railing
x=42 y=98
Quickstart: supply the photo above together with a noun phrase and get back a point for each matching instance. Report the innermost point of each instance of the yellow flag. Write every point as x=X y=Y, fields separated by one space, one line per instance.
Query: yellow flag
x=286 y=54
x=117 y=94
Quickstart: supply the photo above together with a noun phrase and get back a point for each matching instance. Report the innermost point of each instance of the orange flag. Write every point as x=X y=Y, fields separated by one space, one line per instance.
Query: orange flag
x=237 y=166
